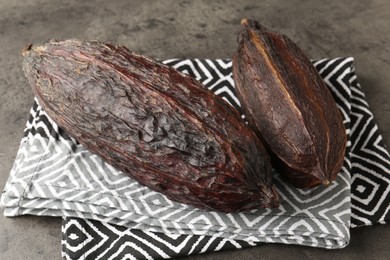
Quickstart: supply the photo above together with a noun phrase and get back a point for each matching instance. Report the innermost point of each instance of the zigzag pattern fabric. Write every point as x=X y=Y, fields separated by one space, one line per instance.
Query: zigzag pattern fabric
x=53 y=175
x=91 y=239
x=370 y=183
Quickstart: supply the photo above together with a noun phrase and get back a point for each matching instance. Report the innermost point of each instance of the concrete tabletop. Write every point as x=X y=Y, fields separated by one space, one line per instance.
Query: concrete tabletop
x=189 y=29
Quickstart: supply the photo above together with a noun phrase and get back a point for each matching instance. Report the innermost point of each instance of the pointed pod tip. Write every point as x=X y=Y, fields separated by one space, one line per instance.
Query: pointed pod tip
x=273 y=200
x=26 y=50
x=253 y=25
x=244 y=21
x=30 y=48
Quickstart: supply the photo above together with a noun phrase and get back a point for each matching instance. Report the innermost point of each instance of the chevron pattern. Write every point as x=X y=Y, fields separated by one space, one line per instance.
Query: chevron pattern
x=54 y=175
x=370 y=184
x=99 y=240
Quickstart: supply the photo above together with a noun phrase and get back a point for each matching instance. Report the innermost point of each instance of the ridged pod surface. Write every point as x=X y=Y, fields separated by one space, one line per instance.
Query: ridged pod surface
x=288 y=105
x=161 y=127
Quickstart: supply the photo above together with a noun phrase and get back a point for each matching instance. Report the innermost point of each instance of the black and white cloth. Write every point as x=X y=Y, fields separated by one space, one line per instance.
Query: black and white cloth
x=108 y=214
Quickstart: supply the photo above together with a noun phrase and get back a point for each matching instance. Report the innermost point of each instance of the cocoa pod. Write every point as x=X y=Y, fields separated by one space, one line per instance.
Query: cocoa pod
x=161 y=127
x=287 y=103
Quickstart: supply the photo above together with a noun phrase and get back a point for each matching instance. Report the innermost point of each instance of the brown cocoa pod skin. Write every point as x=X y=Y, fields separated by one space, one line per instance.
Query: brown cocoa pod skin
x=148 y=120
x=288 y=105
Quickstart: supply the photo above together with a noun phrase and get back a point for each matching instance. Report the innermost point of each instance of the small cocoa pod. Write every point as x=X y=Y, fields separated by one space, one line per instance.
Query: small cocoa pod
x=161 y=127
x=289 y=106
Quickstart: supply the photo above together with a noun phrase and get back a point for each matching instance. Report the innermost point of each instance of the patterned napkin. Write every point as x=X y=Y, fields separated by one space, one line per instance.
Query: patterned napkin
x=54 y=175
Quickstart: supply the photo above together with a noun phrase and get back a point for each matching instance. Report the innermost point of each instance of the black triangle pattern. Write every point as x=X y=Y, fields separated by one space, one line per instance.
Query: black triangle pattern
x=92 y=239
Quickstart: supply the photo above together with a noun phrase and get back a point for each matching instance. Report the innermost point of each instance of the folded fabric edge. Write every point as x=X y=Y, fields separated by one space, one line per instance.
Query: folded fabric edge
x=289 y=239
x=14 y=199
x=9 y=182
x=296 y=236
x=107 y=214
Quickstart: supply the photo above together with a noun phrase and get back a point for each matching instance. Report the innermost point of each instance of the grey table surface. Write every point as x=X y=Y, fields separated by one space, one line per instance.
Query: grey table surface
x=189 y=29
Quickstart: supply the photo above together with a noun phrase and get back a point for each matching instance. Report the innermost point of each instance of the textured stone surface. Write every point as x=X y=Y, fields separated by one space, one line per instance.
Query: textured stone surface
x=166 y=29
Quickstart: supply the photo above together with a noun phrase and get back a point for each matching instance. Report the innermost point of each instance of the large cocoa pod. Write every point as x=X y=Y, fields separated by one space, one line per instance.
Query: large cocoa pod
x=289 y=106
x=161 y=127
